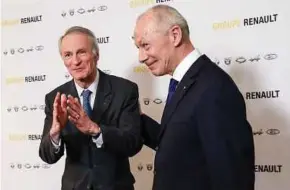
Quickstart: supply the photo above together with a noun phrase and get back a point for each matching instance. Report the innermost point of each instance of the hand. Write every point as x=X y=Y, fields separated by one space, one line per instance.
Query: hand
x=79 y=118
x=59 y=116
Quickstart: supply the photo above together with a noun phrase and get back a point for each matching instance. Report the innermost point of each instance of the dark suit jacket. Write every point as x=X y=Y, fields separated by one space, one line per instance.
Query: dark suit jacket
x=204 y=141
x=116 y=110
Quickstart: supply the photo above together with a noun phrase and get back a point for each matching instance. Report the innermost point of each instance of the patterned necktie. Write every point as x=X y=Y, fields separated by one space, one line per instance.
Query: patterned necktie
x=172 y=87
x=86 y=102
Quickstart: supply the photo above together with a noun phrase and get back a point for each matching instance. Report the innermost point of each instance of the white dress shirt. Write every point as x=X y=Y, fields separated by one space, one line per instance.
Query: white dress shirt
x=93 y=88
x=185 y=64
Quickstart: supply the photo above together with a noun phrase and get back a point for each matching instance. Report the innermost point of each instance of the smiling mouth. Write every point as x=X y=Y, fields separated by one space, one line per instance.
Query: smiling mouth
x=150 y=66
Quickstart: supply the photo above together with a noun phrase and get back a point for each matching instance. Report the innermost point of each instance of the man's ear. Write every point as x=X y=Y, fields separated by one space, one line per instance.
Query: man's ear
x=176 y=35
x=97 y=56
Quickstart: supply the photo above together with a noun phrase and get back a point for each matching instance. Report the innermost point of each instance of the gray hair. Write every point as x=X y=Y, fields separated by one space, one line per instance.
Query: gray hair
x=82 y=30
x=167 y=17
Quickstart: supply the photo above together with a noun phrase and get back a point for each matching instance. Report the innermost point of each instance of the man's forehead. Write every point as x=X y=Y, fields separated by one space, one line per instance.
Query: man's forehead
x=143 y=32
x=74 y=47
x=140 y=36
x=145 y=26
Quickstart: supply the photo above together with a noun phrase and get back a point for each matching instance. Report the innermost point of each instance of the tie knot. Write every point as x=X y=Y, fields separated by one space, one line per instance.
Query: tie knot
x=86 y=93
x=172 y=85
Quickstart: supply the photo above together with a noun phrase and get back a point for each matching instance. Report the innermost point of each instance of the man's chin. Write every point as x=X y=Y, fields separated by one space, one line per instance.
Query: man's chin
x=156 y=72
x=79 y=77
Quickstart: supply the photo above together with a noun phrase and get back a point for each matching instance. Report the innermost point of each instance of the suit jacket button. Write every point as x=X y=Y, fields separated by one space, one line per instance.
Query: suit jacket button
x=157 y=147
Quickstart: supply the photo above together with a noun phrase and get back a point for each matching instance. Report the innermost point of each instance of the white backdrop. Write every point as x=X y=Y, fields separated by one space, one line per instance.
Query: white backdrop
x=248 y=39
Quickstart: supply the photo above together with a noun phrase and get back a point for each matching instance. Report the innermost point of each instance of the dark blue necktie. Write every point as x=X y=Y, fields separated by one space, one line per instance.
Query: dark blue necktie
x=86 y=102
x=172 y=87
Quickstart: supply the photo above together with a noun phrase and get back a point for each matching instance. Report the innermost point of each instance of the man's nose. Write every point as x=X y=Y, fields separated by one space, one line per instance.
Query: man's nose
x=76 y=60
x=142 y=56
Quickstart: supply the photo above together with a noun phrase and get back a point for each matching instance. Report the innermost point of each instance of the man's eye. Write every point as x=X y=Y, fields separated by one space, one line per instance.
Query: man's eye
x=67 y=55
x=145 y=45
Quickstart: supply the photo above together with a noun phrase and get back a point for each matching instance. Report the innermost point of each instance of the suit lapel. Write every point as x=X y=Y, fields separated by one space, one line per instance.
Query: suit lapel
x=181 y=90
x=73 y=90
x=103 y=97
x=169 y=109
x=187 y=82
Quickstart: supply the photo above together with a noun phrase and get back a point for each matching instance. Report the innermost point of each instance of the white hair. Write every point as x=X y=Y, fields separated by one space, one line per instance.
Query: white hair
x=167 y=17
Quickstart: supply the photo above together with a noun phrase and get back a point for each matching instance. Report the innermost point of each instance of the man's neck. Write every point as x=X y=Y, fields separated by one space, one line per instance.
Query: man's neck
x=182 y=52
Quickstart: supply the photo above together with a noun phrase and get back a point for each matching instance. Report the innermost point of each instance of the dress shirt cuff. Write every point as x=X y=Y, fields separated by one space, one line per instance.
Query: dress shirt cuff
x=56 y=145
x=98 y=140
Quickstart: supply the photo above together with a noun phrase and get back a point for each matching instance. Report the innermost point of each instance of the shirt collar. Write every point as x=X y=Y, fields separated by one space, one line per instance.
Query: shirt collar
x=92 y=87
x=185 y=64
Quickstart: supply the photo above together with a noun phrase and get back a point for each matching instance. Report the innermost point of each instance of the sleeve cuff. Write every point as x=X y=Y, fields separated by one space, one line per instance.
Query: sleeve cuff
x=56 y=145
x=98 y=140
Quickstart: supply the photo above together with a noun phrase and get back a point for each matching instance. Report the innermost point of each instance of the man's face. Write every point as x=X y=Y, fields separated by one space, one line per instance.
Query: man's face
x=78 y=57
x=155 y=48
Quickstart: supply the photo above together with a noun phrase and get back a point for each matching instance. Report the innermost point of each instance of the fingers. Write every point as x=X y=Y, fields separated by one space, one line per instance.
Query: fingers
x=63 y=102
x=72 y=113
x=74 y=109
x=74 y=102
x=71 y=105
x=72 y=119
x=66 y=105
x=55 y=106
x=77 y=102
x=57 y=98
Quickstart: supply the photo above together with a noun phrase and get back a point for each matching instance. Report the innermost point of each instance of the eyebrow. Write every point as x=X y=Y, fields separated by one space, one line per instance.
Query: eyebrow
x=64 y=52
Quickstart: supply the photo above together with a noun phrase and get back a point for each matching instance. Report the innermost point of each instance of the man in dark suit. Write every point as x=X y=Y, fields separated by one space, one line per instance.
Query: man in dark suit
x=204 y=141
x=94 y=118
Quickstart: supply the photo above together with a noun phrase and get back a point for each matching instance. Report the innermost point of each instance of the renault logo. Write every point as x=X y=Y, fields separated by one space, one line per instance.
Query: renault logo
x=21 y=50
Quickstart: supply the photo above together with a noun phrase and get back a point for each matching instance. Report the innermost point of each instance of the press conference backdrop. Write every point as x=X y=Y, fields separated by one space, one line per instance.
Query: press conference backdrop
x=248 y=39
